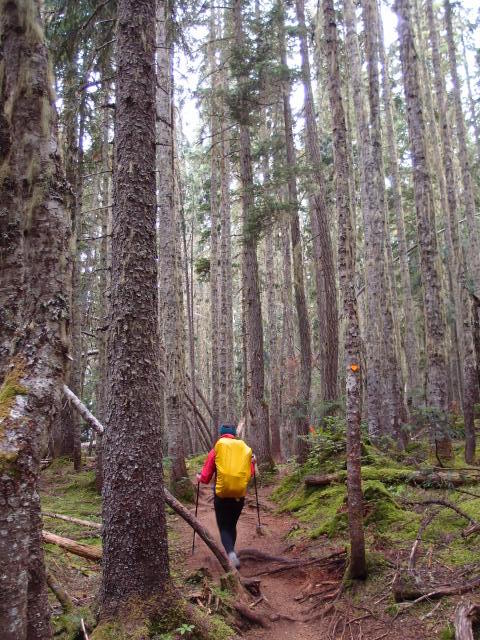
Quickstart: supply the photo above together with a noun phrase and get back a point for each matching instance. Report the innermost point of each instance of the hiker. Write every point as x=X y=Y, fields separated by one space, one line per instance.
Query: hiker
x=233 y=463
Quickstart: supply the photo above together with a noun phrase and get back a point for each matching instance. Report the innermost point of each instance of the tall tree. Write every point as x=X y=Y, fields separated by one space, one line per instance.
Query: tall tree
x=256 y=406
x=301 y=404
x=319 y=216
x=34 y=220
x=135 y=553
x=346 y=269
x=392 y=374
x=170 y=291
x=436 y=391
x=473 y=239
x=214 y=225
x=374 y=231
x=456 y=255
x=411 y=340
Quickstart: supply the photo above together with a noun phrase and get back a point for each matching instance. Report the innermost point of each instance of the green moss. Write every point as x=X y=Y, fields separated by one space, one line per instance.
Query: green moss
x=109 y=631
x=447 y=633
x=67 y=626
x=10 y=389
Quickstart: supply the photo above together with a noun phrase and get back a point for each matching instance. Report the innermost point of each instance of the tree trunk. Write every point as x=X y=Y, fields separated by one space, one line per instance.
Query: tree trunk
x=301 y=406
x=226 y=355
x=456 y=257
x=214 y=229
x=33 y=193
x=473 y=242
x=374 y=231
x=411 y=340
x=169 y=293
x=104 y=289
x=392 y=375
x=135 y=552
x=436 y=391
x=346 y=268
x=320 y=228
x=257 y=408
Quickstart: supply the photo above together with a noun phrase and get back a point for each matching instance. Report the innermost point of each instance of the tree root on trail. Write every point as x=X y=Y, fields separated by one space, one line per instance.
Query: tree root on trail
x=255 y=554
x=251 y=616
x=338 y=556
x=466 y=615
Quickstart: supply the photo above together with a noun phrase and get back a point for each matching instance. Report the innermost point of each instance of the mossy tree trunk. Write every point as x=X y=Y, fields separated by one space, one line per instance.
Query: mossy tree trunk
x=135 y=550
x=346 y=268
x=33 y=195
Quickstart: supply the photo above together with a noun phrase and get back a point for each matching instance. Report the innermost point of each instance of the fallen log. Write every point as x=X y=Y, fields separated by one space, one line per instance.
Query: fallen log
x=466 y=615
x=325 y=480
x=83 y=550
x=423 y=525
x=83 y=411
x=200 y=529
x=84 y=523
x=60 y=593
x=474 y=528
x=435 y=480
x=406 y=590
x=442 y=503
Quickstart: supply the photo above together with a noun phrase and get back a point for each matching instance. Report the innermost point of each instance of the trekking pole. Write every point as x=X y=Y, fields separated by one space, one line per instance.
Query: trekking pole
x=259 y=527
x=196 y=510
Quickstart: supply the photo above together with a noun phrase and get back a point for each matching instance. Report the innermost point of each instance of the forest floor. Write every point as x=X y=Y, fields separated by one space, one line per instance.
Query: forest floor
x=298 y=522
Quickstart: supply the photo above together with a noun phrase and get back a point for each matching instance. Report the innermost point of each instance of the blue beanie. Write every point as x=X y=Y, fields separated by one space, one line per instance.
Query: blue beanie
x=228 y=428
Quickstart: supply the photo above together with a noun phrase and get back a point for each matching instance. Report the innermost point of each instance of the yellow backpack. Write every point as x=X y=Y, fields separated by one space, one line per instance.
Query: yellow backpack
x=232 y=460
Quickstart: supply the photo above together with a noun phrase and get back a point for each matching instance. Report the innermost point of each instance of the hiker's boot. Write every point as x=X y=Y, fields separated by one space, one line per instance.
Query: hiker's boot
x=234 y=559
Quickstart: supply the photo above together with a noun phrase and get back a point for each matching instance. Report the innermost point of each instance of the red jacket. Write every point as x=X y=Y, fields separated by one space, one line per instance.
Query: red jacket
x=209 y=465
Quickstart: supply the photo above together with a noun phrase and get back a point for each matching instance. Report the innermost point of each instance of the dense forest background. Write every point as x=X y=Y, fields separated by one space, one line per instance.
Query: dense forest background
x=259 y=213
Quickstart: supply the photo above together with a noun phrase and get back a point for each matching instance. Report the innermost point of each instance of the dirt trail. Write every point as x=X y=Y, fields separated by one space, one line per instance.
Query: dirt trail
x=278 y=589
x=363 y=620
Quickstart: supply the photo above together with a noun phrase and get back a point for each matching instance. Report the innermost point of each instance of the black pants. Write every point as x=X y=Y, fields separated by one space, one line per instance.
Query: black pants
x=227 y=512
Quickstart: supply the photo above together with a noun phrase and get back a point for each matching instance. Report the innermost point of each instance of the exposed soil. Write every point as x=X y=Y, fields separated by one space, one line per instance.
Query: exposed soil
x=356 y=613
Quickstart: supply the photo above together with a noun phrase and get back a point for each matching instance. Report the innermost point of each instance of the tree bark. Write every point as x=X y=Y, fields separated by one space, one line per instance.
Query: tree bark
x=346 y=268
x=135 y=552
x=466 y=615
x=34 y=221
